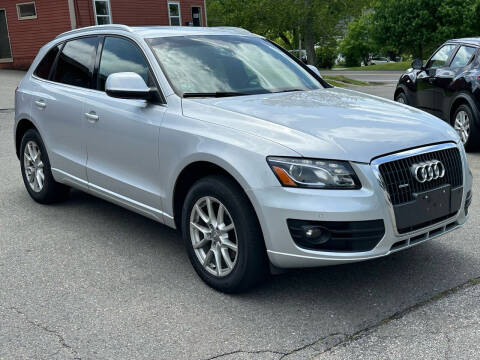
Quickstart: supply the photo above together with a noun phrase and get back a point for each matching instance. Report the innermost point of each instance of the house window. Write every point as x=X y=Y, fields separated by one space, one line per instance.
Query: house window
x=102 y=12
x=174 y=13
x=26 y=11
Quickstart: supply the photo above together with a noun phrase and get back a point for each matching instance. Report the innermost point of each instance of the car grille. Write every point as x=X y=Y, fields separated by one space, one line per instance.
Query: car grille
x=397 y=174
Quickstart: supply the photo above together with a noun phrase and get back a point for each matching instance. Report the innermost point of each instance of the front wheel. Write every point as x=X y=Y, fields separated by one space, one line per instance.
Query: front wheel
x=464 y=125
x=222 y=235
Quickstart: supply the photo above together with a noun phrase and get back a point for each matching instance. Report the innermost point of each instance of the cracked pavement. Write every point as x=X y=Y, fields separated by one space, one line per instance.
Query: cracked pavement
x=87 y=279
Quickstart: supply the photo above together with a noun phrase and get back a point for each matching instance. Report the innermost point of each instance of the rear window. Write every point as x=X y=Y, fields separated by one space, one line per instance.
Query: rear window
x=76 y=61
x=43 y=69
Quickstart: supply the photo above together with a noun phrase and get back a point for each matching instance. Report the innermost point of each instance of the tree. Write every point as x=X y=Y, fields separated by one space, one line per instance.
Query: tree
x=311 y=21
x=419 y=26
x=358 y=44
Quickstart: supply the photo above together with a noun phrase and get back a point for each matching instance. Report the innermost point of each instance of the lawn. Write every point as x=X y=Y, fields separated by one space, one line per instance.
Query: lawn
x=402 y=66
x=343 y=81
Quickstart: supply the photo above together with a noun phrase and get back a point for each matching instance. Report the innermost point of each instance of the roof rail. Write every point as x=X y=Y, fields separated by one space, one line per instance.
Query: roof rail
x=233 y=29
x=97 y=27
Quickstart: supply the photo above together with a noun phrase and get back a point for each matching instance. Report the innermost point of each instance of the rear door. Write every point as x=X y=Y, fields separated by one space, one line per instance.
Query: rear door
x=58 y=105
x=122 y=140
x=426 y=79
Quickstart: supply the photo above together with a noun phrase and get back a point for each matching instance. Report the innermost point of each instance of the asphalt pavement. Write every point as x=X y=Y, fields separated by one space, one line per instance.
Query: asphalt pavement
x=86 y=279
x=386 y=77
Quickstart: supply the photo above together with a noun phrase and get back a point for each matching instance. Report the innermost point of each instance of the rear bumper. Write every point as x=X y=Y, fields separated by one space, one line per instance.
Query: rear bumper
x=275 y=205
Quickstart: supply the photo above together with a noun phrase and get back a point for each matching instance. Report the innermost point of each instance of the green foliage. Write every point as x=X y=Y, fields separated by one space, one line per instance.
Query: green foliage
x=326 y=55
x=358 y=44
x=419 y=26
x=311 y=22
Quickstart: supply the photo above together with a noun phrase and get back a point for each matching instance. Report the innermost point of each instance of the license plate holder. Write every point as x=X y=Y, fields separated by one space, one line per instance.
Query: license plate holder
x=426 y=207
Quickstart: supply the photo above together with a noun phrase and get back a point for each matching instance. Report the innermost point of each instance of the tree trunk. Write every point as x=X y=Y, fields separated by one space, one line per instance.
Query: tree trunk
x=309 y=35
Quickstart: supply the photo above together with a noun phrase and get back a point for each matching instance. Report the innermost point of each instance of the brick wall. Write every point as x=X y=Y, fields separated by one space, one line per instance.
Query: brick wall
x=53 y=18
x=28 y=36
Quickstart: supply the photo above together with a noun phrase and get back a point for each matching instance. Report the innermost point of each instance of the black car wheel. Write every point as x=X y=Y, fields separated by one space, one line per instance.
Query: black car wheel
x=222 y=235
x=401 y=98
x=464 y=125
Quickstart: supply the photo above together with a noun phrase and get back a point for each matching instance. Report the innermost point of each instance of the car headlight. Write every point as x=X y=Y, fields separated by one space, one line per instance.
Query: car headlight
x=313 y=173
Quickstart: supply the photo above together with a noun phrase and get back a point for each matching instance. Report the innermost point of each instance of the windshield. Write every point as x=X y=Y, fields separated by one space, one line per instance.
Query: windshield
x=228 y=65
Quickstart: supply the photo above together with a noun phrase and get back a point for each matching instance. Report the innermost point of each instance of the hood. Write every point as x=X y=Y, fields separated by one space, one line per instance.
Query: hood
x=328 y=123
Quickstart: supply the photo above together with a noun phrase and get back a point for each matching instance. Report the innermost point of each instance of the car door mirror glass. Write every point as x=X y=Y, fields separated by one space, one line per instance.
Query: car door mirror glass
x=417 y=64
x=127 y=85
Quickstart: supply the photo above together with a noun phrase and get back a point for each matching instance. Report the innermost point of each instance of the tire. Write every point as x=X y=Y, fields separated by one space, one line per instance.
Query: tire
x=46 y=190
x=464 y=120
x=401 y=98
x=249 y=261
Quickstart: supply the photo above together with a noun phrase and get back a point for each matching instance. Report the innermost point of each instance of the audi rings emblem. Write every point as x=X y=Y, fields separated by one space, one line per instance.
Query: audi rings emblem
x=428 y=171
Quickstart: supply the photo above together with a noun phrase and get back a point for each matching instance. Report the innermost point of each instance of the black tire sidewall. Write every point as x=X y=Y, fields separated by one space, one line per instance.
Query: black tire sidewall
x=251 y=248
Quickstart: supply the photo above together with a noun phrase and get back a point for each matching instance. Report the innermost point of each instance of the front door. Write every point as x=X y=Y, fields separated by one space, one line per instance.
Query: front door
x=5 y=50
x=426 y=79
x=197 y=15
x=122 y=134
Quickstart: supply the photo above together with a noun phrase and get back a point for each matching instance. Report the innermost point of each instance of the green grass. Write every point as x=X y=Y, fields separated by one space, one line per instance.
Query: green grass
x=343 y=81
x=402 y=66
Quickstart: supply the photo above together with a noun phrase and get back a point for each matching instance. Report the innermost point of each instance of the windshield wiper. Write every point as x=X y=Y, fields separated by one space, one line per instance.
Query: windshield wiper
x=214 y=94
x=286 y=90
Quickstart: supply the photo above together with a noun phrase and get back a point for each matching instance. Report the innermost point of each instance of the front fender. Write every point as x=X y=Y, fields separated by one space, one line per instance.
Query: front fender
x=186 y=140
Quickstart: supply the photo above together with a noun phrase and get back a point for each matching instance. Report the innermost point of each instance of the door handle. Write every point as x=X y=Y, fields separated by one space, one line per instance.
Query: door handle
x=91 y=117
x=41 y=104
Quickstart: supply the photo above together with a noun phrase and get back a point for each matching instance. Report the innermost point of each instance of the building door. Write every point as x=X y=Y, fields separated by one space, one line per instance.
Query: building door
x=5 y=50
x=197 y=15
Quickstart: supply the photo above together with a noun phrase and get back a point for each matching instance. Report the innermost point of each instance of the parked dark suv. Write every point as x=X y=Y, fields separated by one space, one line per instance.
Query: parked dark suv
x=448 y=86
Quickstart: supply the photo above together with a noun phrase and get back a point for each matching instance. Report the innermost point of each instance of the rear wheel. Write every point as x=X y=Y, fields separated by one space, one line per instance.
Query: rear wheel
x=222 y=235
x=401 y=98
x=464 y=125
x=36 y=172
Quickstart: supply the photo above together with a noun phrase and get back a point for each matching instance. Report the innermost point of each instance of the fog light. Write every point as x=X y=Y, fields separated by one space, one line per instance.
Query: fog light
x=316 y=235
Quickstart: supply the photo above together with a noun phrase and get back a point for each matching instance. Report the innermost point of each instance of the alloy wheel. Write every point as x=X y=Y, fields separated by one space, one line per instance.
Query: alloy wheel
x=462 y=125
x=34 y=167
x=401 y=100
x=213 y=236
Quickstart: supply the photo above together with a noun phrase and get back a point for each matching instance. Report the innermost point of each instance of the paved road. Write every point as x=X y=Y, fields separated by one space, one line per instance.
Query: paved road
x=87 y=279
x=387 y=77
x=448 y=328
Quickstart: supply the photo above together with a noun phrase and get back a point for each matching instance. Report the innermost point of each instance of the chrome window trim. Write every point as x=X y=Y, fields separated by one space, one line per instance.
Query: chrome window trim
x=375 y=165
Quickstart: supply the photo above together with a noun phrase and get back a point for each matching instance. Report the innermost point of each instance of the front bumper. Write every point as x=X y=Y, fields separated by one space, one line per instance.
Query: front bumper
x=277 y=204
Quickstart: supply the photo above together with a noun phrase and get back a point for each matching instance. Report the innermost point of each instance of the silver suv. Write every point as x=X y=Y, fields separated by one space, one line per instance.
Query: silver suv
x=224 y=135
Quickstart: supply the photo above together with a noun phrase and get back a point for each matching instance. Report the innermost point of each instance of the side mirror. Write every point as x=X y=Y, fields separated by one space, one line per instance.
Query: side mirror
x=417 y=64
x=314 y=69
x=127 y=85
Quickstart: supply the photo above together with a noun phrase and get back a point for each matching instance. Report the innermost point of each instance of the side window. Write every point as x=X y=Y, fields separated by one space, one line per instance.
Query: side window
x=463 y=56
x=75 y=63
x=120 y=55
x=43 y=69
x=441 y=57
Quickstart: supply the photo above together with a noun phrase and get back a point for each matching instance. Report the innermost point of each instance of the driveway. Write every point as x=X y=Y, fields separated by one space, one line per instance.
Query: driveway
x=87 y=279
